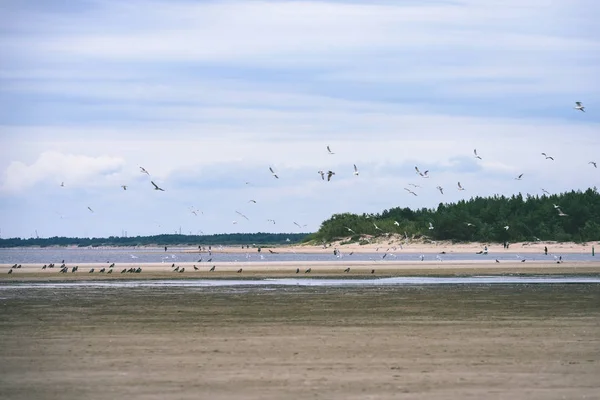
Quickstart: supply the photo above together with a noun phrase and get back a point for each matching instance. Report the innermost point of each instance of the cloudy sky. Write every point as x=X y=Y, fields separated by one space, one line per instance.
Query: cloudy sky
x=207 y=95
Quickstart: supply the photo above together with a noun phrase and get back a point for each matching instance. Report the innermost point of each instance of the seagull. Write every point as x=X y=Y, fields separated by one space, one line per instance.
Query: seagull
x=298 y=225
x=396 y=223
x=545 y=191
x=329 y=175
x=593 y=163
x=355 y=170
x=430 y=226
x=273 y=173
x=555 y=206
x=506 y=227
x=579 y=106
x=329 y=150
x=469 y=224
x=349 y=230
x=441 y=189
x=376 y=227
x=410 y=191
x=475 y=152
x=252 y=201
x=562 y=214
x=62 y=184
x=156 y=186
x=234 y=222
x=423 y=174
x=548 y=157
x=322 y=174
x=413 y=185
x=124 y=187
x=518 y=178
x=460 y=187
x=143 y=171
x=90 y=209
x=271 y=220
x=239 y=213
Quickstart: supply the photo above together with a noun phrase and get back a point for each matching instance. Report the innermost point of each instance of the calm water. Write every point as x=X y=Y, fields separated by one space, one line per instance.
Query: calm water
x=91 y=255
x=290 y=282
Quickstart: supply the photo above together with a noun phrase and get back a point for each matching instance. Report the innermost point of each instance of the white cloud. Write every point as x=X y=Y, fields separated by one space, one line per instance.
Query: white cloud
x=55 y=168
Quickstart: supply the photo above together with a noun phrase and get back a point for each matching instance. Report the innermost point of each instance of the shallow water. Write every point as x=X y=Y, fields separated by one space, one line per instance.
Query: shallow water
x=282 y=283
x=94 y=255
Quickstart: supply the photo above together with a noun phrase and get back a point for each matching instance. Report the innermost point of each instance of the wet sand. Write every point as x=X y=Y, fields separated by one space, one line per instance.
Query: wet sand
x=289 y=268
x=427 y=342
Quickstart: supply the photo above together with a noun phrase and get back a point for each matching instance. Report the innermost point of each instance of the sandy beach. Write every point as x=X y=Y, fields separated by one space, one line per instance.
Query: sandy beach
x=418 y=342
x=298 y=269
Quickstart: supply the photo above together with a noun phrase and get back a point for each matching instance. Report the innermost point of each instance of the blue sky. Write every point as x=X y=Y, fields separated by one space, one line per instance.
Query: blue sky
x=207 y=95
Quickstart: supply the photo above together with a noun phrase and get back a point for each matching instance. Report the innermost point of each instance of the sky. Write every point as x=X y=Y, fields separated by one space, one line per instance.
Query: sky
x=207 y=95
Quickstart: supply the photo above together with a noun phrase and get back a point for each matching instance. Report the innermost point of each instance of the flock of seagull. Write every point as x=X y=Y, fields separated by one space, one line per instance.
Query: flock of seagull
x=329 y=174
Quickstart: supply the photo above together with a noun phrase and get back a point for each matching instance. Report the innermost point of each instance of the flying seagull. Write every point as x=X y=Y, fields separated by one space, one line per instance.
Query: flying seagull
x=322 y=174
x=518 y=178
x=273 y=173
x=271 y=220
x=376 y=227
x=506 y=227
x=298 y=225
x=329 y=150
x=441 y=189
x=349 y=230
x=329 y=175
x=156 y=186
x=410 y=191
x=239 y=213
x=469 y=224
x=413 y=185
x=545 y=191
x=252 y=201
x=579 y=106
x=124 y=187
x=396 y=223
x=548 y=157
x=89 y=208
x=593 y=163
x=460 y=187
x=430 y=226
x=143 y=171
x=476 y=155
x=62 y=184
x=423 y=174
x=355 y=170
x=562 y=214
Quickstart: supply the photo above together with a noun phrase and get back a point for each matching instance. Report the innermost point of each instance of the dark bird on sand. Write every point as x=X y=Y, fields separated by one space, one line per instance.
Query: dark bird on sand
x=213 y=268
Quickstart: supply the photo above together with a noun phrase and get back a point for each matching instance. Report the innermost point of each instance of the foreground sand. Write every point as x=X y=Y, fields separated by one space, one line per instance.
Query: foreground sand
x=449 y=342
x=289 y=268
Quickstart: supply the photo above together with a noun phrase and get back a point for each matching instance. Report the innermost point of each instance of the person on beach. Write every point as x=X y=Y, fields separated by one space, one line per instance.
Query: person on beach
x=546 y=250
x=165 y=248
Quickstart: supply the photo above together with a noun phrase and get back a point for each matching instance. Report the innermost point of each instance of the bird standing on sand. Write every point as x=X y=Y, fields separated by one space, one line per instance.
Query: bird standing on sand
x=156 y=186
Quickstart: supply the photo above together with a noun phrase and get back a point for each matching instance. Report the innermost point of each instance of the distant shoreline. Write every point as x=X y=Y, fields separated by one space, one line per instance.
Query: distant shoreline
x=377 y=245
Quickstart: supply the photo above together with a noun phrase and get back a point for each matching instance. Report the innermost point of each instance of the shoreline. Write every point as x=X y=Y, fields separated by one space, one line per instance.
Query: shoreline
x=297 y=269
x=376 y=245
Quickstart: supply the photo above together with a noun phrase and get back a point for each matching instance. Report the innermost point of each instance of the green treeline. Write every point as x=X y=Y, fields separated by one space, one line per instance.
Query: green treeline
x=260 y=239
x=480 y=219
